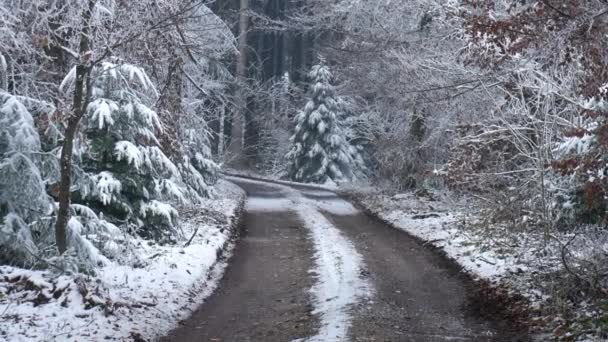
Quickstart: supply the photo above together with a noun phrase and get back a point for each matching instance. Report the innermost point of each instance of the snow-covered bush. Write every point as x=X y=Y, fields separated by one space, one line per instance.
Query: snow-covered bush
x=320 y=150
x=25 y=208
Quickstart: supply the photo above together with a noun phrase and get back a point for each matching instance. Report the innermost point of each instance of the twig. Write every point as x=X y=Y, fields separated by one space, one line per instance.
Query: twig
x=483 y=198
x=486 y=261
x=155 y=256
x=564 y=250
x=45 y=261
x=6 y=309
x=73 y=330
x=191 y=238
x=432 y=242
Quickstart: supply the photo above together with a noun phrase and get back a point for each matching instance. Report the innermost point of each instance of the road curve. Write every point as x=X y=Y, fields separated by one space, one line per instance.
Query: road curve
x=265 y=294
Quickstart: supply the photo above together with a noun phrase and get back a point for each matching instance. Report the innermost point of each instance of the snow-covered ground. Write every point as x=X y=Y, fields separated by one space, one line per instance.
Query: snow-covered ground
x=524 y=263
x=145 y=299
x=337 y=264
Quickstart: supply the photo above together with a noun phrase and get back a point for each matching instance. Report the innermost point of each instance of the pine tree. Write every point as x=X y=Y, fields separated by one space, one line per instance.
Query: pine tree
x=122 y=171
x=26 y=211
x=320 y=151
x=25 y=207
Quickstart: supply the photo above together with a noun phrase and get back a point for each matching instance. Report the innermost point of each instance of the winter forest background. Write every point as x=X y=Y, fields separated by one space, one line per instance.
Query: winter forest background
x=118 y=117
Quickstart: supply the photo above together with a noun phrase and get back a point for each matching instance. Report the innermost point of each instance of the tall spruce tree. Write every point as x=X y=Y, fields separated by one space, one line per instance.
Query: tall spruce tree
x=320 y=151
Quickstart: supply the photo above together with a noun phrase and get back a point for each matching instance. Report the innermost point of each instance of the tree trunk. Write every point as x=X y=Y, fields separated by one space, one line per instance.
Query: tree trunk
x=63 y=215
x=3 y=74
x=79 y=105
x=220 y=134
x=238 y=122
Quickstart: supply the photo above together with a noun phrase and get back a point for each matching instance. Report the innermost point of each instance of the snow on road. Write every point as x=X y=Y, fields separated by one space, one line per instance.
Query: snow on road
x=260 y=204
x=338 y=266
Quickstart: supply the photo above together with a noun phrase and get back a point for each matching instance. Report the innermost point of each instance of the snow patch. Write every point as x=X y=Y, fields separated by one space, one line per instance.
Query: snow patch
x=337 y=207
x=338 y=266
x=107 y=187
x=126 y=150
x=327 y=201
x=264 y=204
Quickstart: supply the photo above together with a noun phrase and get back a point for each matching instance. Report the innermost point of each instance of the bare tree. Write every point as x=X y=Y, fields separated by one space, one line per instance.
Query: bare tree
x=237 y=143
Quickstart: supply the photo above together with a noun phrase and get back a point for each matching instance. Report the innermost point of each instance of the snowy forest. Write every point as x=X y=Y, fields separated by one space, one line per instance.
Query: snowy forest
x=146 y=147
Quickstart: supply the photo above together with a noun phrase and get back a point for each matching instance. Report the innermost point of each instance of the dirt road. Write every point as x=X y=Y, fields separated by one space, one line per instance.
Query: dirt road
x=265 y=295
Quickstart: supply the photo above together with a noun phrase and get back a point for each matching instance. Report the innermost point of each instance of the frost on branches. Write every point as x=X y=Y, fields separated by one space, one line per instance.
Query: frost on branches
x=320 y=151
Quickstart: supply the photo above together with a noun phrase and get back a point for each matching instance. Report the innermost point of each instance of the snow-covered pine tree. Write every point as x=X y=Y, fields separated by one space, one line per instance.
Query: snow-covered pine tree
x=27 y=213
x=25 y=208
x=320 y=151
x=121 y=171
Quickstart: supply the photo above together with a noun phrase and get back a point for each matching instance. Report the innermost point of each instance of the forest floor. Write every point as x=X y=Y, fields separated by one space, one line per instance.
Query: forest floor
x=138 y=300
x=310 y=266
